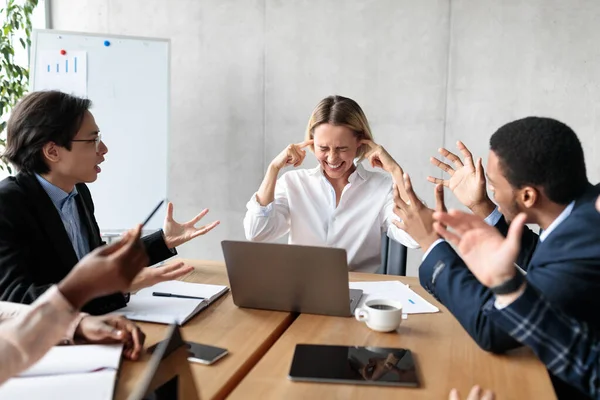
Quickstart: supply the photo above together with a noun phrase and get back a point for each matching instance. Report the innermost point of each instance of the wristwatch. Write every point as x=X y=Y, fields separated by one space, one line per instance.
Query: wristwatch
x=509 y=286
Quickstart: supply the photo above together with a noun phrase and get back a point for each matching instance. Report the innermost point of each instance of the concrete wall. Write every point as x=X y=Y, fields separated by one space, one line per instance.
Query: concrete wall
x=246 y=75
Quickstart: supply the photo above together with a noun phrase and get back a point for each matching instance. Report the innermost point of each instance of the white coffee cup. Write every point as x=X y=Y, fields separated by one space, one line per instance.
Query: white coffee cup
x=381 y=315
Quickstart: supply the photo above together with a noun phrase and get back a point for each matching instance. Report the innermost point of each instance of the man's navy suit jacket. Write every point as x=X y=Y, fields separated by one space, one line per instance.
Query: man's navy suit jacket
x=564 y=268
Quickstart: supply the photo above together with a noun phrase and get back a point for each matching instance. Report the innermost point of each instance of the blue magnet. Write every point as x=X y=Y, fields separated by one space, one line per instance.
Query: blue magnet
x=106 y=43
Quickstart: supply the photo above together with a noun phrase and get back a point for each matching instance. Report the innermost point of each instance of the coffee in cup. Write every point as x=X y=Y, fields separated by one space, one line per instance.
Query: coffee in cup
x=381 y=315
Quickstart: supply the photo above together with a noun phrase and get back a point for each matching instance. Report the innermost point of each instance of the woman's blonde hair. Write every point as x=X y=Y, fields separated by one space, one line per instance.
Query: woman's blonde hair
x=340 y=111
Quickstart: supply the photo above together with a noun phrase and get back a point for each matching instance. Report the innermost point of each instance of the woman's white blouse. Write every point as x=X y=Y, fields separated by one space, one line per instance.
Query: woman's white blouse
x=304 y=207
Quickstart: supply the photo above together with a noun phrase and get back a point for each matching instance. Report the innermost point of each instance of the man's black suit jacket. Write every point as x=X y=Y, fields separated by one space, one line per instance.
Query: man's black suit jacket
x=35 y=250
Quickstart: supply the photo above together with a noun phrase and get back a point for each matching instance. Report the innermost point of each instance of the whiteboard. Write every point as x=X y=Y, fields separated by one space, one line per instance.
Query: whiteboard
x=127 y=79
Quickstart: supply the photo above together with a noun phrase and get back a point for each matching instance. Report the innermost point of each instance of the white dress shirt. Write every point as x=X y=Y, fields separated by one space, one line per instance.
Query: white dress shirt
x=305 y=206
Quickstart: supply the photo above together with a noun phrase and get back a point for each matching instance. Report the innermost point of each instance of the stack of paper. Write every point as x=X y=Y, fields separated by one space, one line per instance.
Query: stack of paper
x=68 y=372
x=412 y=303
x=144 y=306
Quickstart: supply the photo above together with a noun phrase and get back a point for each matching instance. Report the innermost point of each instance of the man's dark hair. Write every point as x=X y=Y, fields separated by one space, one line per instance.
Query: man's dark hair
x=542 y=152
x=40 y=118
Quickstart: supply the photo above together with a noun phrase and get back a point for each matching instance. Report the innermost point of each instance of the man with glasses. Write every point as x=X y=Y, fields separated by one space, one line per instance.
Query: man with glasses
x=47 y=218
x=97 y=140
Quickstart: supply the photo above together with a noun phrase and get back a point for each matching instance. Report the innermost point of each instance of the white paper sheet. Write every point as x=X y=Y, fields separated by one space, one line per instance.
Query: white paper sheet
x=91 y=386
x=163 y=310
x=412 y=303
x=67 y=73
x=74 y=359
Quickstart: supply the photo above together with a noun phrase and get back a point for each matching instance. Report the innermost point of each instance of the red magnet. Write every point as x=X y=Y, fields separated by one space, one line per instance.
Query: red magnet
x=63 y=52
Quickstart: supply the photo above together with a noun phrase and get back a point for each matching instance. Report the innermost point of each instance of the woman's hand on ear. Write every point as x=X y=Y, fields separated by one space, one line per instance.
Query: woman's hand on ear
x=380 y=158
x=294 y=155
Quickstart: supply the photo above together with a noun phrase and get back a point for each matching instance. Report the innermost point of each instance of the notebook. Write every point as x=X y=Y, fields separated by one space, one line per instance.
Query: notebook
x=143 y=306
x=68 y=372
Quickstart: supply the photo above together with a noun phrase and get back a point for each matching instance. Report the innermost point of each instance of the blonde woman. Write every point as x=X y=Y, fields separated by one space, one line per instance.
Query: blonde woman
x=338 y=203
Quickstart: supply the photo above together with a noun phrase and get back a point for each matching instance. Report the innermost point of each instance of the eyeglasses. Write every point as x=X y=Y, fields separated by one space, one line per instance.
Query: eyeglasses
x=96 y=141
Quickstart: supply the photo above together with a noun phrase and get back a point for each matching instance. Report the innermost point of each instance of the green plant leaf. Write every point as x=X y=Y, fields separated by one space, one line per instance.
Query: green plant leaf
x=15 y=20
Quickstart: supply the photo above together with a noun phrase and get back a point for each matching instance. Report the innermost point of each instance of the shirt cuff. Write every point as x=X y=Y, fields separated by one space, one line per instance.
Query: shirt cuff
x=493 y=218
x=499 y=306
x=431 y=248
x=256 y=208
x=401 y=236
x=522 y=307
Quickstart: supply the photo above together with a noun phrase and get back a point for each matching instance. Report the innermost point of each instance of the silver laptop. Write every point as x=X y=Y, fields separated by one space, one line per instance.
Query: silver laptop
x=285 y=277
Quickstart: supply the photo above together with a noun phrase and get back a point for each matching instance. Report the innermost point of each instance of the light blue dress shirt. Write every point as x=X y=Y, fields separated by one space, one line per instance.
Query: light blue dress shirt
x=67 y=209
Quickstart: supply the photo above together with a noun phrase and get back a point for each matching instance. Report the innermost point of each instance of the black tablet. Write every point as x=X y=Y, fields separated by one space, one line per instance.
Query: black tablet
x=354 y=365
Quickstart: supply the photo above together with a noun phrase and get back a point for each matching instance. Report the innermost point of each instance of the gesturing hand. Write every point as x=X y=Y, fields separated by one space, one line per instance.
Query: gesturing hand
x=379 y=157
x=177 y=233
x=151 y=276
x=291 y=155
x=489 y=255
x=106 y=270
x=112 y=329
x=467 y=179
x=417 y=219
x=476 y=393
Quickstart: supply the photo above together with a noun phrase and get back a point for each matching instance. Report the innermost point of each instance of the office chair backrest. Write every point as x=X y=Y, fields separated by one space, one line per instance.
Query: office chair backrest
x=393 y=257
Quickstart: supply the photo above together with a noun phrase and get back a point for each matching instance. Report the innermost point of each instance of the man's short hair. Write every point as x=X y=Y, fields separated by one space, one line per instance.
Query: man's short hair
x=542 y=152
x=40 y=118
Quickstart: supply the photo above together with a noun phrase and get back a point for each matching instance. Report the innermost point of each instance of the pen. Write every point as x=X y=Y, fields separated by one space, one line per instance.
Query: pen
x=153 y=212
x=410 y=301
x=179 y=296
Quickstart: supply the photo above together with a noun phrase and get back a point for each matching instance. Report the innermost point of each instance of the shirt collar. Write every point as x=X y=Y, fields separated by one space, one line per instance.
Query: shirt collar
x=317 y=171
x=359 y=172
x=56 y=194
x=562 y=216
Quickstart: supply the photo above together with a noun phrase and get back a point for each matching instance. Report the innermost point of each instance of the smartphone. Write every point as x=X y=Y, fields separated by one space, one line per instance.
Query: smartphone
x=200 y=353
x=203 y=353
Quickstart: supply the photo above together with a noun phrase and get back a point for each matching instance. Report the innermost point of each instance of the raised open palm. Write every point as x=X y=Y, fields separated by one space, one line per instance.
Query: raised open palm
x=177 y=233
x=488 y=255
x=467 y=179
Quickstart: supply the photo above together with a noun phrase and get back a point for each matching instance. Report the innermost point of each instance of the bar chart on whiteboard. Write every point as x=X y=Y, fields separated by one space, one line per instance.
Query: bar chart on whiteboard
x=128 y=80
x=62 y=70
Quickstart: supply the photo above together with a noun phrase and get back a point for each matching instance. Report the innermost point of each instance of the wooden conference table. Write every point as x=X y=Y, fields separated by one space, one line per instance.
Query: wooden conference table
x=261 y=344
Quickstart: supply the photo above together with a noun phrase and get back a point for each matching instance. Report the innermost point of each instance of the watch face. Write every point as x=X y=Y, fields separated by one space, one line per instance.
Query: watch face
x=511 y=285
